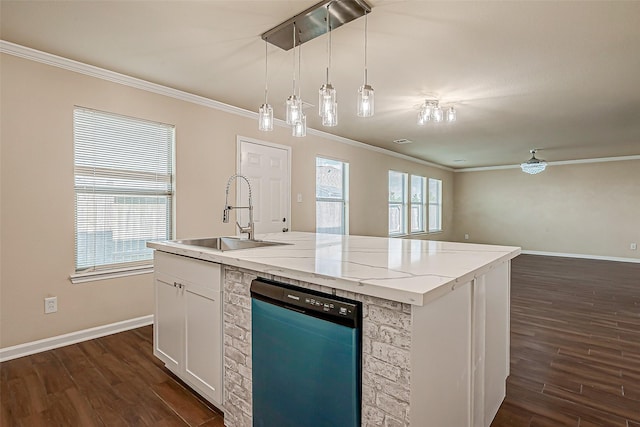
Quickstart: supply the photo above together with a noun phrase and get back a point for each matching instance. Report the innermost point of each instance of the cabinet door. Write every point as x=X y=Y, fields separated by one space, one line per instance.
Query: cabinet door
x=441 y=360
x=497 y=284
x=169 y=322
x=203 y=340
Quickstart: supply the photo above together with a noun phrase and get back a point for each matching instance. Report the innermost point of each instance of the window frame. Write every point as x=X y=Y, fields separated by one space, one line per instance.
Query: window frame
x=422 y=204
x=403 y=204
x=437 y=204
x=122 y=182
x=344 y=200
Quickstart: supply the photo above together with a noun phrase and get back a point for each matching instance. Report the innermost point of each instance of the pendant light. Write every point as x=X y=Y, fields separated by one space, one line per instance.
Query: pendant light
x=265 y=112
x=365 y=93
x=327 y=104
x=294 y=106
x=299 y=128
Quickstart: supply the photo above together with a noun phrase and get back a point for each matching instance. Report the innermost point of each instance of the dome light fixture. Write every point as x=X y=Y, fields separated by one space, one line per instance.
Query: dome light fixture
x=533 y=165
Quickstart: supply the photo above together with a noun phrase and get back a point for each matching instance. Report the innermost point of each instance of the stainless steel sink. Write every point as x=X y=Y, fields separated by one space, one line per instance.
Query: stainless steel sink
x=227 y=243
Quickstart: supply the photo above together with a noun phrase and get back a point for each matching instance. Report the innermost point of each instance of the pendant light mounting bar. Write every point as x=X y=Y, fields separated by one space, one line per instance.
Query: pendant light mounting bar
x=311 y=23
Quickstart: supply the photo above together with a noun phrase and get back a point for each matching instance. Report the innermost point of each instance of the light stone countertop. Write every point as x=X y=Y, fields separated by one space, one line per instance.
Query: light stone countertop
x=409 y=271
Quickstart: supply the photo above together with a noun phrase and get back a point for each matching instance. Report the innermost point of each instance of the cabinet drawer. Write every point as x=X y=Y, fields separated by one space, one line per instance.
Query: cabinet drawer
x=205 y=274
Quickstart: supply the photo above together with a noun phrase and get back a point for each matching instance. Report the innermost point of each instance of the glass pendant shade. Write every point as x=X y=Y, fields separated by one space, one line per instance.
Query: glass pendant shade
x=299 y=128
x=437 y=114
x=326 y=99
x=365 y=101
x=426 y=112
x=451 y=114
x=265 y=118
x=294 y=109
x=330 y=117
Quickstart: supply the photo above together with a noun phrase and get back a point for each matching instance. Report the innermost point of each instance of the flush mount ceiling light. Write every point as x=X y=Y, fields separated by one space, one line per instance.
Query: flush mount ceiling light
x=533 y=165
x=265 y=112
x=431 y=111
x=317 y=20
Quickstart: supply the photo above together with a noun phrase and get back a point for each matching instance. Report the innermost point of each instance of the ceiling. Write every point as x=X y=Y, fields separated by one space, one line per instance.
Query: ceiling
x=561 y=76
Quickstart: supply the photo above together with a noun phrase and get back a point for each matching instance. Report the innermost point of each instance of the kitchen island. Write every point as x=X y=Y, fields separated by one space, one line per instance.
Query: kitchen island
x=435 y=320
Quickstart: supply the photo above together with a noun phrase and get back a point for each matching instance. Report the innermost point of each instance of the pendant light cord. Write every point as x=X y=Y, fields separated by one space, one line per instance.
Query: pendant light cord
x=294 y=58
x=299 y=73
x=328 y=44
x=266 y=67
x=365 y=46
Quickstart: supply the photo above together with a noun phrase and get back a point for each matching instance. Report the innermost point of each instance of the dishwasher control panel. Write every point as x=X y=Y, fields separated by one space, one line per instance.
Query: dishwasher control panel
x=308 y=300
x=329 y=306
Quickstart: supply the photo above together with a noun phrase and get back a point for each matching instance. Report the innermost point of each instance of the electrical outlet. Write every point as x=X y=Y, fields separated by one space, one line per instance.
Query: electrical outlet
x=634 y=246
x=50 y=305
x=466 y=237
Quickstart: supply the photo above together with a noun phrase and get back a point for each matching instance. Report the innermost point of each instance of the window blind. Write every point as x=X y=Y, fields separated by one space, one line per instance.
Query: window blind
x=123 y=171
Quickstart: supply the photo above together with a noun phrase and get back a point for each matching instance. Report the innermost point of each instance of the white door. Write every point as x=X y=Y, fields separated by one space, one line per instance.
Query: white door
x=267 y=166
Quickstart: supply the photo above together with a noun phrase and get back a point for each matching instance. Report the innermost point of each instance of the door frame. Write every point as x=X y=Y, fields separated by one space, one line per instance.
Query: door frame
x=287 y=148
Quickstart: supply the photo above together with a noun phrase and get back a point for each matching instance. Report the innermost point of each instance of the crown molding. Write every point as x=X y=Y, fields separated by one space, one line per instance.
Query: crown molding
x=558 y=163
x=123 y=79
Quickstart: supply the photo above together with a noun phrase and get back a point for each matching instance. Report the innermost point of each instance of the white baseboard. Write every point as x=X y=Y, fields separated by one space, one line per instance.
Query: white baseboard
x=33 y=347
x=600 y=257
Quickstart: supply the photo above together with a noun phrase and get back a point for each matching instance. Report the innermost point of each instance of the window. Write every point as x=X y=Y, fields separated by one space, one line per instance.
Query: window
x=418 y=200
x=123 y=184
x=409 y=205
x=332 y=178
x=435 y=205
x=397 y=203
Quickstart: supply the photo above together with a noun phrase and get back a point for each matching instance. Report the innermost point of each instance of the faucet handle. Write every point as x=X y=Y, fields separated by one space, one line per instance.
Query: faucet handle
x=225 y=215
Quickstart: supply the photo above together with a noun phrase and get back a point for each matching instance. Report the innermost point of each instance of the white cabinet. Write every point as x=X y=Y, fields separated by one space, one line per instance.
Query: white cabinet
x=460 y=353
x=496 y=339
x=440 y=360
x=188 y=321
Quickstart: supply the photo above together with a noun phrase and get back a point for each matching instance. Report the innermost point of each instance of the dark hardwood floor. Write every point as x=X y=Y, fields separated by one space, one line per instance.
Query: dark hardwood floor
x=575 y=344
x=575 y=361
x=109 y=381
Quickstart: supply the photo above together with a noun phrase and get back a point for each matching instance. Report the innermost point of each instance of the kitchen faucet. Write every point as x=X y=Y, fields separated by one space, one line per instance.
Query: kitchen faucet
x=249 y=229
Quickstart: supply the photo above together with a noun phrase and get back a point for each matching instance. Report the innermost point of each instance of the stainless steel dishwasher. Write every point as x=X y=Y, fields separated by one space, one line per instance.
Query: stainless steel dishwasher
x=306 y=357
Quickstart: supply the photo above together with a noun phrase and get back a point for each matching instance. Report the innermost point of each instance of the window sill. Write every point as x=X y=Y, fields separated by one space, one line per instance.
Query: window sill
x=110 y=274
x=417 y=234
